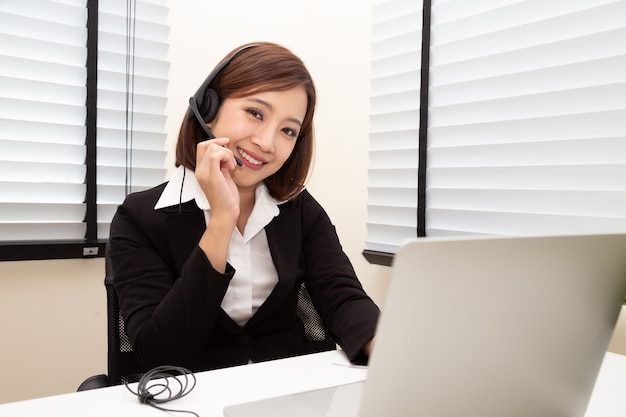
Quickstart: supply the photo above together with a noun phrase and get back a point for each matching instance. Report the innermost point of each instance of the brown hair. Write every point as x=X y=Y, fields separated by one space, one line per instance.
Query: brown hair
x=261 y=68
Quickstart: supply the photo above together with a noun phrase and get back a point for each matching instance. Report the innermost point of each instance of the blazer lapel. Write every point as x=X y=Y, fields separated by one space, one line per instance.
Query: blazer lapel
x=283 y=237
x=185 y=226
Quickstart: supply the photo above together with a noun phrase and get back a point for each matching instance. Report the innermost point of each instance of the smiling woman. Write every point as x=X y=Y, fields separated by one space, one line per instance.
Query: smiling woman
x=238 y=76
x=231 y=246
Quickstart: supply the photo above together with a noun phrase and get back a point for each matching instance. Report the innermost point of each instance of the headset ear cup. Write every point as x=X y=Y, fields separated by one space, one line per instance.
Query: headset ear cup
x=210 y=105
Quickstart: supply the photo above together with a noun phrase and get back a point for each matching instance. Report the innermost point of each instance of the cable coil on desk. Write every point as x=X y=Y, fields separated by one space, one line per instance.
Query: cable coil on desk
x=163 y=389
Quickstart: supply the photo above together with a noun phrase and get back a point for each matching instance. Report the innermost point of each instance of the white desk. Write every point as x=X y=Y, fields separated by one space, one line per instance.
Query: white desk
x=609 y=394
x=216 y=389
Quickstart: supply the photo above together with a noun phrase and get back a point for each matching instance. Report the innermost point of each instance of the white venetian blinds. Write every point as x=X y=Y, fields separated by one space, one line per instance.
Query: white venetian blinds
x=527 y=118
x=42 y=119
x=43 y=51
x=394 y=123
x=133 y=161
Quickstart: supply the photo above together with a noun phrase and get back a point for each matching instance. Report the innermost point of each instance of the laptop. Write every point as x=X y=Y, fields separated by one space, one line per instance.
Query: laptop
x=482 y=327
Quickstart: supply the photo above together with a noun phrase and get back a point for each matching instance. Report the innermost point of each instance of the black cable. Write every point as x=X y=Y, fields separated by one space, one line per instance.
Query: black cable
x=163 y=389
x=182 y=183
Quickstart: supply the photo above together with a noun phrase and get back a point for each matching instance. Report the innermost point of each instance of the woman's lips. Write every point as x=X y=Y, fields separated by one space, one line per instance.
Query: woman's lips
x=250 y=160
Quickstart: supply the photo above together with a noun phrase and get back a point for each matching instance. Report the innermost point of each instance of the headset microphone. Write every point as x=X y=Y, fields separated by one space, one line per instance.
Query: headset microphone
x=194 y=108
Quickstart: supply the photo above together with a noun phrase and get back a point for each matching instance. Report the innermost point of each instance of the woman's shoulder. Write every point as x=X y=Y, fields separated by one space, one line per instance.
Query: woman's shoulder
x=303 y=200
x=147 y=195
x=144 y=200
x=309 y=209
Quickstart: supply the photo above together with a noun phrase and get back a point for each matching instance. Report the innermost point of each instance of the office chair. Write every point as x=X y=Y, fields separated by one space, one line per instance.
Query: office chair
x=122 y=366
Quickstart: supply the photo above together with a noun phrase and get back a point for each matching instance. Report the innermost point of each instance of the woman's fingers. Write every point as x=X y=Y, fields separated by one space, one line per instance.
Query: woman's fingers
x=214 y=164
x=218 y=151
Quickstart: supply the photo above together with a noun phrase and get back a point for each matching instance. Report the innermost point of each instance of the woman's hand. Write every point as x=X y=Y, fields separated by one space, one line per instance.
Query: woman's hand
x=367 y=349
x=214 y=163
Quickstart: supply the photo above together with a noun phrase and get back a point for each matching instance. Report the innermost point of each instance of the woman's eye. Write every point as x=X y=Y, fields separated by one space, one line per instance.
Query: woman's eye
x=290 y=132
x=256 y=113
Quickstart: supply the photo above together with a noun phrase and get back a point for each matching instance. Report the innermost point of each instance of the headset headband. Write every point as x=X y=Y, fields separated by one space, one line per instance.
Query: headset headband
x=206 y=99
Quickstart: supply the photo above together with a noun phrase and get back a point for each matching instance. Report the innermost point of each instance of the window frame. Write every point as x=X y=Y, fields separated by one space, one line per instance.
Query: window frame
x=546 y=216
x=106 y=180
x=90 y=246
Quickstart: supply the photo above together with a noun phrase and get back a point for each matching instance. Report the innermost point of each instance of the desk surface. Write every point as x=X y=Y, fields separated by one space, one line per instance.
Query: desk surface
x=217 y=389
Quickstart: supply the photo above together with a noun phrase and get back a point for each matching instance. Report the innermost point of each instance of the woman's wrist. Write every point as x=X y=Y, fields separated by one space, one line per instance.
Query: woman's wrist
x=367 y=349
x=215 y=243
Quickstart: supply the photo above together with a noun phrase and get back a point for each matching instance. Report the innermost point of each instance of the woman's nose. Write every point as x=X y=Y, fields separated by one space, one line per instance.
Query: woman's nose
x=264 y=139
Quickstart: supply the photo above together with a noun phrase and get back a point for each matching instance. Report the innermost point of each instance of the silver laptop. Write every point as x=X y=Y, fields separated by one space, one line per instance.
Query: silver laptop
x=484 y=327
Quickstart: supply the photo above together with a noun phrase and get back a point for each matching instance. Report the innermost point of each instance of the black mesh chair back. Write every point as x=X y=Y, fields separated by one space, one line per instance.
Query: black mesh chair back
x=313 y=326
x=122 y=364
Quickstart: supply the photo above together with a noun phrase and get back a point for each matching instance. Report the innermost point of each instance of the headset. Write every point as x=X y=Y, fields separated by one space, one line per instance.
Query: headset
x=203 y=105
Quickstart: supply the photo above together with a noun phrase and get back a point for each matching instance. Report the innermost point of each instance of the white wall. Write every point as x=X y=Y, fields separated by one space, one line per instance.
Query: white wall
x=53 y=313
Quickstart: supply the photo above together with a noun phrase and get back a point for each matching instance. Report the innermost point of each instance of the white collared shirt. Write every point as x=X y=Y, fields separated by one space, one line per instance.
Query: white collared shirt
x=255 y=273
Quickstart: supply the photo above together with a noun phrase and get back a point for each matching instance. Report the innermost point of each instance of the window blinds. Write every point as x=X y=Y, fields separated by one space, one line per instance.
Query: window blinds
x=394 y=124
x=42 y=113
x=527 y=118
x=134 y=161
x=42 y=119
x=527 y=111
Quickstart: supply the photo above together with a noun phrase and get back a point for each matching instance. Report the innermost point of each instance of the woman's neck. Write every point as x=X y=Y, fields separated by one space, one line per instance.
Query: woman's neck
x=247 y=199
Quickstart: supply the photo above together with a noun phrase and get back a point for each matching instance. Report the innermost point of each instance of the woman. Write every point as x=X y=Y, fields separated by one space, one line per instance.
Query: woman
x=208 y=266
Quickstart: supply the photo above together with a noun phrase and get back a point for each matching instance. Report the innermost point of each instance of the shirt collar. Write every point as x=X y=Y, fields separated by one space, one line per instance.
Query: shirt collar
x=182 y=179
x=185 y=179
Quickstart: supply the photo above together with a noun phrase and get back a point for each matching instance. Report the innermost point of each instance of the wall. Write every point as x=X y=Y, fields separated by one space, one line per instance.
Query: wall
x=53 y=321
x=53 y=313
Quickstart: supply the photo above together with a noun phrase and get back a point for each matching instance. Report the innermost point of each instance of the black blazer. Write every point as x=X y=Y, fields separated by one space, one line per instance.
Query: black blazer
x=170 y=295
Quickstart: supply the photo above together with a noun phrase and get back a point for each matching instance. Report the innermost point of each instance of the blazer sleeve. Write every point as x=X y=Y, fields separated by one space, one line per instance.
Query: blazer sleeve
x=348 y=313
x=168 y=310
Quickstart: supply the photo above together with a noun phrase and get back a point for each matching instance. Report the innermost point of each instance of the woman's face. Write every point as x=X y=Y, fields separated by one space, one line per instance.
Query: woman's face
x=263 y=129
